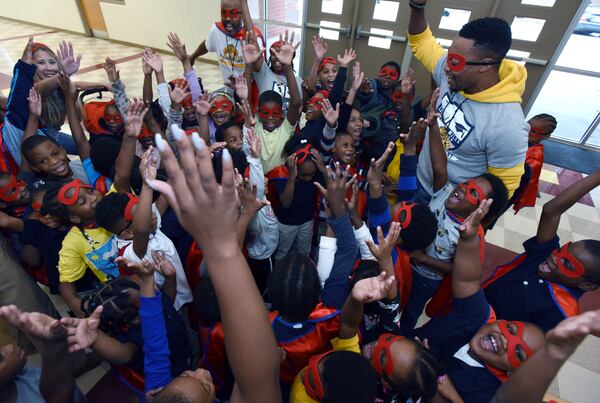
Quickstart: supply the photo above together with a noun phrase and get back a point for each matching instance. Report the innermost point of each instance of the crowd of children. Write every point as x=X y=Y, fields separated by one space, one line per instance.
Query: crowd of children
x=278 y=239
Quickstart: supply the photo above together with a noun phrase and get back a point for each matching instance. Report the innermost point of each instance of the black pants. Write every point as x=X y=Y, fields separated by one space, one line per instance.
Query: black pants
x=261 y=270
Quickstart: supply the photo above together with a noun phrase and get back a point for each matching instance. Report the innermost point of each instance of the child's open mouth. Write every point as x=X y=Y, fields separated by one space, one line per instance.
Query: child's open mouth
x=489 y=343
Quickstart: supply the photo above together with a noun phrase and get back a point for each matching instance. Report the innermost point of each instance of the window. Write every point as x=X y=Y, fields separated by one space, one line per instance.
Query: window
x=332 y=6
x=527 y=29
x=329 y=33
x=386 y=10
x=380 y=42
x=517 y=54
x=288 y=11
x=541 y=3
x=454 y=18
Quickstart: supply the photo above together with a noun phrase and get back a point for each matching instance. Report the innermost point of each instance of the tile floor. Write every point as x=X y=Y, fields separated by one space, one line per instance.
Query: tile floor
x=579 y=379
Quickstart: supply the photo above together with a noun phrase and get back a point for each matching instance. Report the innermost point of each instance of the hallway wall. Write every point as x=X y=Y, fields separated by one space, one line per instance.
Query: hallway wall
x=61 y=14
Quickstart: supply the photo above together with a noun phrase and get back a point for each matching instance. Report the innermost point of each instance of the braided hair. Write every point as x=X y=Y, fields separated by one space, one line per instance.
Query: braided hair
x=547 y=119
x=119 y=311
x=51 y=205
x=421 y=380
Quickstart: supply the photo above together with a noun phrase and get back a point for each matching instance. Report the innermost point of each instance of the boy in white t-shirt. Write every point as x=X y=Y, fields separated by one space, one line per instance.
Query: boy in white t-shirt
x=225 y=38
x=136 y=224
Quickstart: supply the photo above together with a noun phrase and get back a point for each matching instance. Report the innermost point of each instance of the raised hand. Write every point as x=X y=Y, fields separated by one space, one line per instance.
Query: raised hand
x=66 y=58
x=82 y=332
x=202 y=105
x=153 y=60
x=373 y=288
x=134 y=119
x=358 y=77
x=179 y=92
x=337 y=186
x=468 y=229
x=146 y=69
x=249 y=120
x=432 y=114
x=33 y=324
x=247 y=194
x=292 y=164
x=409 y=140
x=383 y=249
x=27 y=55
x=352 y=206
x=216 y=147
x=241 y=87
x=143 y=269
x=111 y=70
x=149 y=164
x=251 y=50
x=320 y=47
x=347 y=58
x=285 y=54
x=254 y=142
x=177 y=46
x=562 y=341
x=331 y=115
x=162 y=264
x=407 y=84
x=35 y=102
x=375 y=174
x=365 y=86
x=318 y=160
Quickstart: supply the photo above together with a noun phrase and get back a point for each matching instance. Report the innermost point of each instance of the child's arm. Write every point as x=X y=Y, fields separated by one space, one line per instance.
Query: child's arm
x=364 y=291
x=285 y=55
x=328 y=140
x=439 y=160
x=200 y=51
x=142 y=220
x=286 y=197
x=84 y=333
x=407 y=181
x=157 y=364
x=169 y=273
x=124 y=161
x=246 y=17
x=466 y=272
x=556 y=207
x=11 y=223
x=530 y=381
x=357 y=79
x=335 y=96
x=147 y=94
x=81 y=142
x=335 y=289
x=438 y=265
x=68 y=292
x=35 y=110
x=383 y=253
x=189 y=73
x=155 y=62
x=407 y=85
x=57 y=380
x=117 y=86
x=320 y=48
x=250 y=206
x=250 y=343
x=202 y=106
x=377 y=205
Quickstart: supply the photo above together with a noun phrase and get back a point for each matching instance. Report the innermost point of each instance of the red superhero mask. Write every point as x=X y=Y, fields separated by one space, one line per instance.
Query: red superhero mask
x=145 y=133
x=231 y=13
x=133 y=200
x=326 y=60
x=316 y=102
x=576 y=270
x=398 y=96
x=264 y=112
x=36 y=206
x=381 y=350
x=404 y=214
x=223 y=104
x=514 y=342
x=277 y=44
x=457 y=62
x=113 y=118
x=535 y=134
x=75 y=184
x=388 y=72
x=303 y=153
x=312 y=379
x=11 y=191
x=474 y=193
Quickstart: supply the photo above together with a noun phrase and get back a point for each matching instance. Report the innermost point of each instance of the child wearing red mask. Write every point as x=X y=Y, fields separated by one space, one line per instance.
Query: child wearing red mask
x=377 y=93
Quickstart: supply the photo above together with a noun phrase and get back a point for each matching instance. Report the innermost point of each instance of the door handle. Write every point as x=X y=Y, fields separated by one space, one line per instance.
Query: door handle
x=346 y=31
x=360 y=32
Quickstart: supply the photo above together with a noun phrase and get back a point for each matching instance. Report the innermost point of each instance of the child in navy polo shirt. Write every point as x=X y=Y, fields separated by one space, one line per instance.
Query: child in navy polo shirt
x=476 y=351
x=544 y=284
x=451 y=204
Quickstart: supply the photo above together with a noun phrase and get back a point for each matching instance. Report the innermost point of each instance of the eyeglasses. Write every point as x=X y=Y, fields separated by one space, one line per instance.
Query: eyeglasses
x=516 y=346
x=575 y=269
x=75 y=184
x=457 y=62
x=11 y=191
x=404 y=214
x=231 y=13
x=474 y=193
x=224 y=104
x=265 y=112
x=388 y=72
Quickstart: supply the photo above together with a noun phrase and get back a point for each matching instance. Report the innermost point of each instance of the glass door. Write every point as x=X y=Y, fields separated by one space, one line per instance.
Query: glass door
x=572 y=87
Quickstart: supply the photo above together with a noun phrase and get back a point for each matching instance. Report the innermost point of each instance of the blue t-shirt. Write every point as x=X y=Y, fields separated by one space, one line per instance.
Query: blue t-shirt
x=303 y=205
x=522 y=294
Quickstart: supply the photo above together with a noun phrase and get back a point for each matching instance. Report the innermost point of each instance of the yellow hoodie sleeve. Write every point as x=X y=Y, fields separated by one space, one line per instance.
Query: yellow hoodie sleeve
x=510 y=176
x=426 y=49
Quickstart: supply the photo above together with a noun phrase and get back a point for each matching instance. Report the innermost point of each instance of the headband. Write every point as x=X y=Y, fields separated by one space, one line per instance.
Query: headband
x=35 y=46
x=577 y=269
x=75 y=184
x=327 y=60
x=133 y=201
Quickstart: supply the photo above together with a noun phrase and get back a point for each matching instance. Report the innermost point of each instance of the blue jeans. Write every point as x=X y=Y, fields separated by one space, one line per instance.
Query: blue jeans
x=423 y=289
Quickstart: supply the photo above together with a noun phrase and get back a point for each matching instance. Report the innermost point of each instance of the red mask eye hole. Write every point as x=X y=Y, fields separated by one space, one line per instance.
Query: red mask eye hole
x=456 y=62
x=574 y=268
